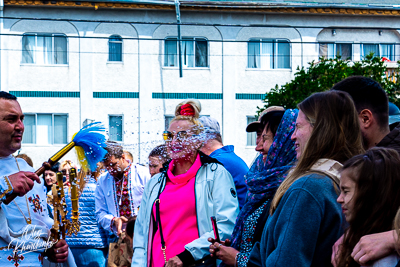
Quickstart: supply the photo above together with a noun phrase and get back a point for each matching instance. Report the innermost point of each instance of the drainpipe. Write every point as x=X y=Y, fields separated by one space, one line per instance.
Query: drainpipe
x=178 y=19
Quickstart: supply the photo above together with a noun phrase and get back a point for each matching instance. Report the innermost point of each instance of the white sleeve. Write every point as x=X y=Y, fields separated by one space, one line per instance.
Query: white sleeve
x=103 y=216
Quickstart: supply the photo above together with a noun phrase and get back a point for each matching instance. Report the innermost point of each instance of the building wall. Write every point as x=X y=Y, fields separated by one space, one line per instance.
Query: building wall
x=142 y=68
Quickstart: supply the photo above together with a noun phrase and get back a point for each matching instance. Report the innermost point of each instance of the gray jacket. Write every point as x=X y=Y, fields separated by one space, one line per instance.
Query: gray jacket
x=215 y=196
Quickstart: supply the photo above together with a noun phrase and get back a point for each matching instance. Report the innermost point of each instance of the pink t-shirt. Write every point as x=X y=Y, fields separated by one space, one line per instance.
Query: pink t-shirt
x=178 y=214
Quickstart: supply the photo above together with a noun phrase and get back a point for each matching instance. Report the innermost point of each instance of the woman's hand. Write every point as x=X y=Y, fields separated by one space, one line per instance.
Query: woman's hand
x=227 y=242
x=174 y=262
x=224 y=253
x=214 y=247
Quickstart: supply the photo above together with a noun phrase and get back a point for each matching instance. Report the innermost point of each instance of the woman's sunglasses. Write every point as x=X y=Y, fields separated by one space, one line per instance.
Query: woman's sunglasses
x=168 y=136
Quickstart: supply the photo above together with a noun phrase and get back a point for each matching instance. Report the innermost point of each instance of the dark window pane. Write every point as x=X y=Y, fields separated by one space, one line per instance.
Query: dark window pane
x=170 y=53
x=251 y=137
x=60 y=47
x=371 y=48
x=60 y=129
x=326 y=50
x=254 y=54
x=344 y=51
x=168 y=119
x=201 y=53
x=115 y=128
x=115 y=48
x=388 y=51
x=28 y=47
x=283 y=55
x=29 y=136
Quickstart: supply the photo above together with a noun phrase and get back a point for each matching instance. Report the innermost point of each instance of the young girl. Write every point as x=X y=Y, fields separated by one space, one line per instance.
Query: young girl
x=369 y=197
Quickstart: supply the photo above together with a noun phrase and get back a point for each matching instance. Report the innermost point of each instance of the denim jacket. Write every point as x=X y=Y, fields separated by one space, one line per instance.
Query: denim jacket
x=215 y=196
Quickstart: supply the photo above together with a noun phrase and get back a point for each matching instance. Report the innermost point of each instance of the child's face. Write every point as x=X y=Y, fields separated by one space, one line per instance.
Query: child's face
x=347 y=189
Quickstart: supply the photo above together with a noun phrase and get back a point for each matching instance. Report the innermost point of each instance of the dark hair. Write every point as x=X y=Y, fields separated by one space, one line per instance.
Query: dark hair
x=130 y=226
x=160 y=152
x=55 y=168
x=8 y=96
x=113 y=149
x=367 y=94
x=271 y=120
x=376 y=199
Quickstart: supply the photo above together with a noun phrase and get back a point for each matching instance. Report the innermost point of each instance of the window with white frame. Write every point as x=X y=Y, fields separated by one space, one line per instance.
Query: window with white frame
x=251 y=137
x=194 y=52
x=115 y=48
x=332 y=50
x=379 y=50
x=268 y=54
x=167 y=121
x=45 y=129
x=44 y=49
x=115 y=128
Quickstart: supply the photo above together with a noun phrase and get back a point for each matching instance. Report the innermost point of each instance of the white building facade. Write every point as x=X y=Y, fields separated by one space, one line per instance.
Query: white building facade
x=70 y=63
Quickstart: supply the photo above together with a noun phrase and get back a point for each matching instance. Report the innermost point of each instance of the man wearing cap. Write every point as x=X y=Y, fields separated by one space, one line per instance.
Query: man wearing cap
x=256 y=126
x=214 y=148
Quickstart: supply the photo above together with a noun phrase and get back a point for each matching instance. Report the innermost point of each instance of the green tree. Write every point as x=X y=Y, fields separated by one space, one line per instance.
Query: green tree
x=321 y=76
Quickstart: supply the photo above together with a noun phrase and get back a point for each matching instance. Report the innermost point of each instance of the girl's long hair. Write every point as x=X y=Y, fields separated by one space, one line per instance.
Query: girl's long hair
x=336 y=135
x=376 y=199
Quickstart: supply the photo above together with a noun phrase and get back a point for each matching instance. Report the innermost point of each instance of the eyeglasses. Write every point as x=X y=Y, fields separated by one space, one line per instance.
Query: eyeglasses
x=168 y=136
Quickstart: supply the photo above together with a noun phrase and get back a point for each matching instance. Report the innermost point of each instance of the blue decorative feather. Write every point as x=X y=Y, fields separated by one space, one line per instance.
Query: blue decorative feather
x=92 y=140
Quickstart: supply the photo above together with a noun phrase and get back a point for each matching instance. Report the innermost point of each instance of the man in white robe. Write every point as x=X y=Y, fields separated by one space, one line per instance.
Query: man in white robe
x=24 y=222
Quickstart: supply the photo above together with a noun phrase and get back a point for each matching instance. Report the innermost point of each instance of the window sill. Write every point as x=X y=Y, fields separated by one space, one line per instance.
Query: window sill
x=258 y=69
x=115 y=62
x=177 y=68
x=45 y=65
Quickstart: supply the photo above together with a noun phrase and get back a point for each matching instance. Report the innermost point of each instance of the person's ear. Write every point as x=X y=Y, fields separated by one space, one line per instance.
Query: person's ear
x=366 y=118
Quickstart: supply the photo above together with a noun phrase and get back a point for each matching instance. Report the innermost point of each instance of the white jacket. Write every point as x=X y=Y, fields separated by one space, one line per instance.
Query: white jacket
x=215 y=196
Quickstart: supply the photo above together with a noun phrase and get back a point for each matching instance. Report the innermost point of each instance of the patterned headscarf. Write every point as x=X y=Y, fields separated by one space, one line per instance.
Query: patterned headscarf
x=263 y=180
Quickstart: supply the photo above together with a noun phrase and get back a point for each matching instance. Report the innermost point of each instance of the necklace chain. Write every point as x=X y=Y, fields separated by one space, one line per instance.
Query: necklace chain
x=28 y=220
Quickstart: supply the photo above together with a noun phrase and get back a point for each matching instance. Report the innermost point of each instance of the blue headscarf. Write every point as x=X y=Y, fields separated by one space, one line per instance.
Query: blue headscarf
x=263 y=180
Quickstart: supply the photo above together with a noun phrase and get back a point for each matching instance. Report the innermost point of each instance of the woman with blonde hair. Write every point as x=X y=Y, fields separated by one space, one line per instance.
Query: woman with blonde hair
x=174 y=223
x=305 y=218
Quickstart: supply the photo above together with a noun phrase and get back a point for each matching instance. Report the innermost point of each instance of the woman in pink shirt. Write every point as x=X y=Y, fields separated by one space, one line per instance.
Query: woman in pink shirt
x=174 y=220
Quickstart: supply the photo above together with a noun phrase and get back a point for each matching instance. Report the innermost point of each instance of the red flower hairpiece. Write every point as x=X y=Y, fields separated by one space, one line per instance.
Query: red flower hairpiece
x=187 y=110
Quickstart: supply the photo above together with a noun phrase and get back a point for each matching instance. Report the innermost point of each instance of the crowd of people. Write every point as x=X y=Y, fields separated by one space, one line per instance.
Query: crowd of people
x=322 y=191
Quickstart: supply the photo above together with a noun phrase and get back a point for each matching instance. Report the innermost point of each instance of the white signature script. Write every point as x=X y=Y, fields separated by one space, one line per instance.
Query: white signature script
x=31 y=241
